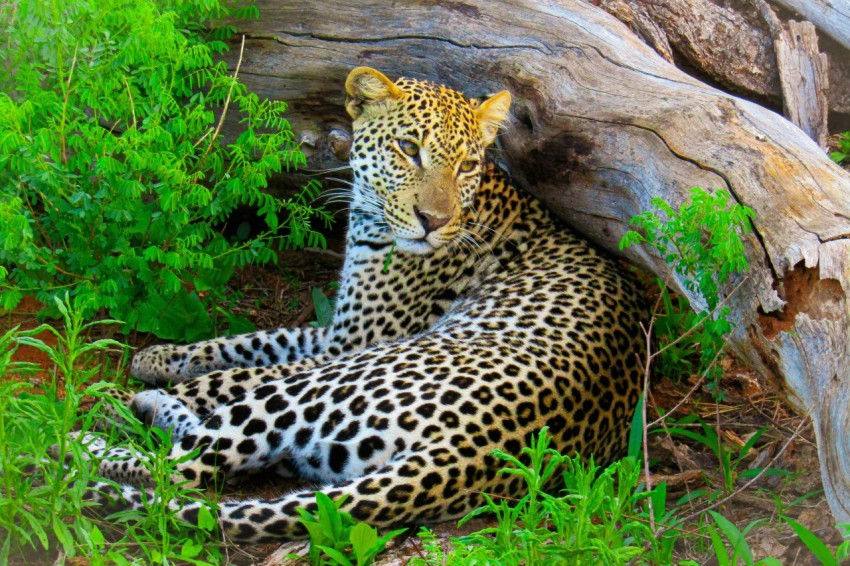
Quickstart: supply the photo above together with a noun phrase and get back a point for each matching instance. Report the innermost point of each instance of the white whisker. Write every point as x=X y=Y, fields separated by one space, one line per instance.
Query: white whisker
x=317 y=172
x=343 y=181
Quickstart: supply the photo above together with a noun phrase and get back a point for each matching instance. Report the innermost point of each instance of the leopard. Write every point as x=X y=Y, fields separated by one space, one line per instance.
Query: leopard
x=467 y=318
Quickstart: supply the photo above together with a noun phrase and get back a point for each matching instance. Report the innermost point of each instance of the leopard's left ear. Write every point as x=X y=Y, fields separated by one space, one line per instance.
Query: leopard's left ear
x=491 y=113
x=368 y=89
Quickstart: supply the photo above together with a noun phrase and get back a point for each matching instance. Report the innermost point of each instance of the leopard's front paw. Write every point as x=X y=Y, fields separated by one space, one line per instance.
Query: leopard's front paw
x=163 y=365
x=155 y=408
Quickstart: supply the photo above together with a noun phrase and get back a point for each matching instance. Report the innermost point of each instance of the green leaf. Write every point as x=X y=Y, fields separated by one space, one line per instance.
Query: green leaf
x=364 y=540
x=215 y=278
x=324 y=308
x=718 y=546
x=336 y=556
x=206 y=520
x=812 y=542
x=329 y=517
x=636 y=431
x=734 y=536
x=183 y=317
x=317 y=533
x=190 y=549
x=388 y=259
x=96 y=536
x=239 y=324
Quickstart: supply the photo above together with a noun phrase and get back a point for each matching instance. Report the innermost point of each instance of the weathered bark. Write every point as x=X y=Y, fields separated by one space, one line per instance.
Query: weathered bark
x=731 y=47
x=728 y=44
x=831 y=16
x=802 y=72
x=601 y=124
x=802 y=68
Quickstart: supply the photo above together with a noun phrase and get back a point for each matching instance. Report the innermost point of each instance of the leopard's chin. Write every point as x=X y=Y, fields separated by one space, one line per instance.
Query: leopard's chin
x=419 y=246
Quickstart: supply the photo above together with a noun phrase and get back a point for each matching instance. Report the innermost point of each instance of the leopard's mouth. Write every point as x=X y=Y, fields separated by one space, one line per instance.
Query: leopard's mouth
x=417 y=246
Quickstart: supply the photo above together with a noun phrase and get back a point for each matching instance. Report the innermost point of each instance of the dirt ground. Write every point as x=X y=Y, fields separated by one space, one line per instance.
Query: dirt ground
x=281 y=296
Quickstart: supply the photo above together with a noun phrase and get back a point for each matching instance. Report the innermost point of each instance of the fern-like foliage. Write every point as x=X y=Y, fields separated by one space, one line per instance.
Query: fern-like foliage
x=702 y=242
x=114 y=182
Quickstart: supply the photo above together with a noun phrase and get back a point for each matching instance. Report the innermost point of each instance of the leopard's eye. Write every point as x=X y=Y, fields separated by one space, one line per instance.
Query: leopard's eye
x=467 y=166
x=409 y=148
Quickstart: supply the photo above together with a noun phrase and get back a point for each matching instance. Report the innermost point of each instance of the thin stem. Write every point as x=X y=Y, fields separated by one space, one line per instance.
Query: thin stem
x=226 y=101
x=647 y=368
x=132 y=106
x=67 y=95
x=797 y=432
x=695 y=327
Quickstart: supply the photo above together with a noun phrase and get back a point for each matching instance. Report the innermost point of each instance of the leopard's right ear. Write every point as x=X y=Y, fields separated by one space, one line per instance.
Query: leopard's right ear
x=369 y=91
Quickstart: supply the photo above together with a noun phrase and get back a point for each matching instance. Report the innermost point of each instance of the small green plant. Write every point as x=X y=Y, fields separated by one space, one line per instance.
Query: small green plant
x=843 y=152
x=736 y=548
x=702 y=242
x=116 y=181
x=675 y=320
x=42 y=500
x=336 y=538
x=730 y=460
x=71 y=347
x=594 y=521
x=38 y=496
x=158 y=533
x=433 y=551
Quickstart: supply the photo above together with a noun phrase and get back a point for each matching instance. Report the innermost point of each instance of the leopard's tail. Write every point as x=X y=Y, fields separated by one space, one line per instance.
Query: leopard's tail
x=415 y=490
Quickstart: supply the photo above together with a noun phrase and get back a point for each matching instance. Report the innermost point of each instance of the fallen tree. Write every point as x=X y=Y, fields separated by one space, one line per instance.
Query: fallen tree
x=732 y=43
x=602 y=124
x=831 y=16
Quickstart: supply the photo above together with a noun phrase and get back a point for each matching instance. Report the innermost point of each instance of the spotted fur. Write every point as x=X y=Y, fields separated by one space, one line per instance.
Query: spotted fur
x=492 y=321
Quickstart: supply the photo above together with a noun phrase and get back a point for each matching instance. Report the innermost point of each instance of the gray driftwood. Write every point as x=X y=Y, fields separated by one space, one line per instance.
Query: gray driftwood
x=803 y=73
x=803 y=70
x=728 y=43
x=831 y=16
x=601 y=124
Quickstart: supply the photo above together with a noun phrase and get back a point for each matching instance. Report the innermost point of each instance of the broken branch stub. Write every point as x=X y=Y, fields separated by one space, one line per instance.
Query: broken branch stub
x=601 y=125
x=831 y=16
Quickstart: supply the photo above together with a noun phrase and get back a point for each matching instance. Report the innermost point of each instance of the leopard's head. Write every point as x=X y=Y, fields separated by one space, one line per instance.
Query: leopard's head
x=418 y=154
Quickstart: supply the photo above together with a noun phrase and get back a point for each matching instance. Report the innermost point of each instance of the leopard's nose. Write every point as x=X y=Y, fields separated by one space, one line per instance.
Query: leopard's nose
x=429 y=221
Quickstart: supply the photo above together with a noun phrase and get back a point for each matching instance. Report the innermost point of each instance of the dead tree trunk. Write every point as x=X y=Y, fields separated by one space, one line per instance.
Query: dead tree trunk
x=831 y=16
x=601 y=124
x=728 y=43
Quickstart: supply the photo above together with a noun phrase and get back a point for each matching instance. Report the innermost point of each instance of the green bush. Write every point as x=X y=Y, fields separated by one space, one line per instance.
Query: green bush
x=114 y=180
x=843 y=152
x=702 y=242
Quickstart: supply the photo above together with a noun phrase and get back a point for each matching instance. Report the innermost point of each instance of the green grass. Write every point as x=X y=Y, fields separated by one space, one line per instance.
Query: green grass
x=43 y=514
